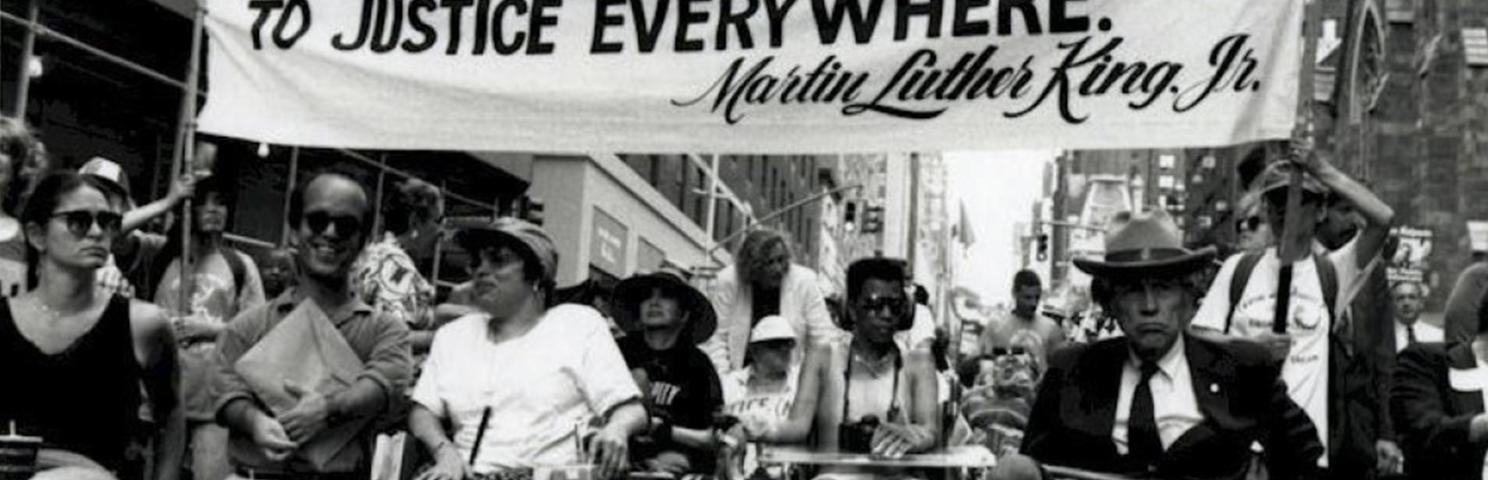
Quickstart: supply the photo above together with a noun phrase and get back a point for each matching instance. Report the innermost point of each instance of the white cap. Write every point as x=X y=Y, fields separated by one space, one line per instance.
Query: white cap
x=773 y=327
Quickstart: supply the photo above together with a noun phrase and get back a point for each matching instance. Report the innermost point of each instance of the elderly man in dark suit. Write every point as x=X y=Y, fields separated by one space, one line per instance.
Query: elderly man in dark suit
x=1159 y=402
x=1437 y=401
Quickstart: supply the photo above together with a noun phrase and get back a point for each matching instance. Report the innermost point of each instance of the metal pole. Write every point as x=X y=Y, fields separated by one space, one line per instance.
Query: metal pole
x=712 y=196
x=23 y=74
x=42 y=31
x=762 y=220
x=294 y=169
x=381 y=180
x=438 y=251
x=187 y=149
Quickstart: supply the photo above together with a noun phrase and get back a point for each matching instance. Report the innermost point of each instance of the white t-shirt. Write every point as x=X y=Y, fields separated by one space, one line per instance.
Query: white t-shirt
x=1306 y=367
x=564 y=372
x=769 y=407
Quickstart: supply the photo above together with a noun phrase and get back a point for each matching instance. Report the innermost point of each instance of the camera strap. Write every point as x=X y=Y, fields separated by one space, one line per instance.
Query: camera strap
x=847 y=383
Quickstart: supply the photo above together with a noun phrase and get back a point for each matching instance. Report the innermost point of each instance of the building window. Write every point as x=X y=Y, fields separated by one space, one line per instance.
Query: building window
x=1399 y=11
x=1166 y=162
x=1475 y=46
x=1210 y=162
x=1164 y=181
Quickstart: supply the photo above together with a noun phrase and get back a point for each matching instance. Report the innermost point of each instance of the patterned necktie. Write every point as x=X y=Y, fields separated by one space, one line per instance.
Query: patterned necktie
x=1410 y=334
x=1143 y=443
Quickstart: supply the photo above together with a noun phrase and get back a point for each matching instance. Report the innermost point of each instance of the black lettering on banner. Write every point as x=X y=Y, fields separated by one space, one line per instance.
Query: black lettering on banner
x=922 y=56
x=1235 y=64
x=386 y=41
x=603 y=18
x=961 y=27
x=290 y=10
x=828 y=83
x=264 y=7
x=739 y=21
x=829 y=23
x=456 y=13
x=1061 y=22
x=1005 y=16
x=482 y=26
x=417 y=24
x=1138 y=77
x=362 y=31
x=539 y=20
x=1061 y=80
x=776 y=13
x=286 y=41
x=905 y=9
x=686 y=16
x=498 y=17
x=648 y=31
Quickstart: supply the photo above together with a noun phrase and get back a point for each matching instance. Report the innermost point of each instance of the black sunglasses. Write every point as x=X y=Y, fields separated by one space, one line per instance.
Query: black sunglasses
x=1248 y=224
x=896 y=305
x=80 y=221
x=1004 y=351
x=345 y=224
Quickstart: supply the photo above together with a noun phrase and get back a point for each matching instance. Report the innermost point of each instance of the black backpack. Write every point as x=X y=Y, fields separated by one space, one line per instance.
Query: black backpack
x=1327 y=277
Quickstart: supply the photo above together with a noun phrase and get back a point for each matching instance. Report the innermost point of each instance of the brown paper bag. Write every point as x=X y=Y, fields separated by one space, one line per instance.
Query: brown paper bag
x=305 y=349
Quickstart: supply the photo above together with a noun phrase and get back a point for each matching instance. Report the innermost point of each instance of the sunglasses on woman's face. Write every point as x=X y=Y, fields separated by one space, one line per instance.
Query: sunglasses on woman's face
x=79 y=222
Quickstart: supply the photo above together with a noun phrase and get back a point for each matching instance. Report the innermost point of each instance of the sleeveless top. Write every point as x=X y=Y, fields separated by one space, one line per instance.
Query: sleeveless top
x=84 y=399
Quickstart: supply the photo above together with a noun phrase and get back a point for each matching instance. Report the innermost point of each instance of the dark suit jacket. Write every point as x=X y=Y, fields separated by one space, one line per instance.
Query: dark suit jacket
x=1239 y=392
x=1431 y=418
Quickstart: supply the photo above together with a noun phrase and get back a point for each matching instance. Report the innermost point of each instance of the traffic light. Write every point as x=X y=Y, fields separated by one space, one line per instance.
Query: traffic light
x=532 y=210
x=850 y=215
x=1043 y=246
x=872 y=219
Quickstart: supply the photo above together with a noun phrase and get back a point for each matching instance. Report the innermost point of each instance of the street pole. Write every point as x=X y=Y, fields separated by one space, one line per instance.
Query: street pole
x=712 y=197
x=185 y=151
x=783 y=210
x=1287 y=250
x=23 y=74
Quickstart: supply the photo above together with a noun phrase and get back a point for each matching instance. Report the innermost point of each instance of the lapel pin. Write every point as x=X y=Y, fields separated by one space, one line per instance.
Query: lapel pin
x=1214 y=388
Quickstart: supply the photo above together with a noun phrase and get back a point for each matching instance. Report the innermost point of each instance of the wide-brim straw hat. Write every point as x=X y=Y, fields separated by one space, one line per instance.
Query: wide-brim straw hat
x=702 y=319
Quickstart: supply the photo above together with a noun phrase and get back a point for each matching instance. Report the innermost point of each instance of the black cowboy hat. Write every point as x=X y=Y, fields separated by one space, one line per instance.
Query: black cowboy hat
x=632 y=291
x=1149 y=244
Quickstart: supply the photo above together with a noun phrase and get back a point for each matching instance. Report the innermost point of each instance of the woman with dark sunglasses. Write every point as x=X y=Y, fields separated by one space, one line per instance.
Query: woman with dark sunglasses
x=75 y=358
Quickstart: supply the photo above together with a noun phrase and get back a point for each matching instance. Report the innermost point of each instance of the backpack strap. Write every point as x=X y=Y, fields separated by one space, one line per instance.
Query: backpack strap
x=1328 y=280
x=1238 y=281
x=238 y=268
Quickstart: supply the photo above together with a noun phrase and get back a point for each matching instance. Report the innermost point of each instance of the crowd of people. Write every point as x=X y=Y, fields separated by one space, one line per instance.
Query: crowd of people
x=133 y=354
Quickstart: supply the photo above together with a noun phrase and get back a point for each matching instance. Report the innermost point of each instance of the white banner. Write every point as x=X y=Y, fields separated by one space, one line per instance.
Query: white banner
x=758 y=76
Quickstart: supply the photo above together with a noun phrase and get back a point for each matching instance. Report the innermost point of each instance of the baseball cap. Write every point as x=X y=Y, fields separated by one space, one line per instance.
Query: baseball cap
x=773 y=327
x=108 y=170
x=474 y=234
x=1279 y=175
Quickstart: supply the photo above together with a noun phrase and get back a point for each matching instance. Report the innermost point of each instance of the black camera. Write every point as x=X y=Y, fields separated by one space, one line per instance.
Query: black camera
x=857 y=437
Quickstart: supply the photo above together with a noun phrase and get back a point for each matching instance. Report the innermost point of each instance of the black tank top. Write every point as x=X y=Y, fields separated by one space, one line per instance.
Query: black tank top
x=86 y=398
